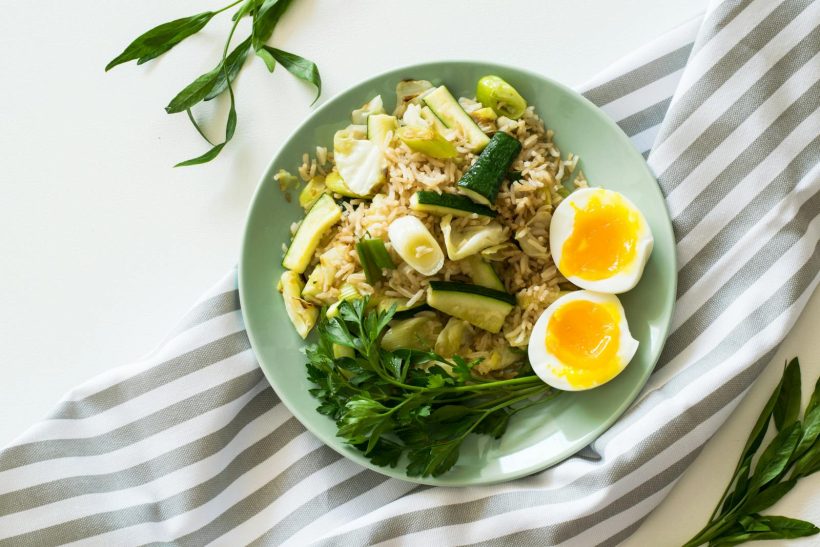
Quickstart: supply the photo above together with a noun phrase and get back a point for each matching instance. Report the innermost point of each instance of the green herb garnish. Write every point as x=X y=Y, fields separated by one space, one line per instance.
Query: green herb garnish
x=160 y=39
x=406 y=401
x=794 y=453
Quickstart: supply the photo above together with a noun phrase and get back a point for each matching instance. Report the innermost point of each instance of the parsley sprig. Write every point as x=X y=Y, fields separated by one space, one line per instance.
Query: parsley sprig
x=390 y=403
x=265 y=15
x=792 y=454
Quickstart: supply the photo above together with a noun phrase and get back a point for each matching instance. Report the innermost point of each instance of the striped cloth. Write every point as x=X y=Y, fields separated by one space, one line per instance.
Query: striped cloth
x=191 y=445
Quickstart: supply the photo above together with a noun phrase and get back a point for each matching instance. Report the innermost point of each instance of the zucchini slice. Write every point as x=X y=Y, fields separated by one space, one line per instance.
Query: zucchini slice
x=324 y=214
x=447 y=109
x=485 y=308
x=416 y=333
x=312 y=191
x=402 y=310
x=448 y=204
x=482 y=273
x=302 y=314
x=483 y=179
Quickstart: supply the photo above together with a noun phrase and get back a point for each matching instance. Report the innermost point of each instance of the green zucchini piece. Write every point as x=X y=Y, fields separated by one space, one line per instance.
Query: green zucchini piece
x=416 y=333
x=402 y=310
x=447 y=109
x=482 y=273
x=483 y=179
x=485 y=308
x=428 y=116
x=312 y=191
x=410 y=312
x=302 y=314
x=448 y=204
x=324 y=214
x=378 y=126
x=495 y=93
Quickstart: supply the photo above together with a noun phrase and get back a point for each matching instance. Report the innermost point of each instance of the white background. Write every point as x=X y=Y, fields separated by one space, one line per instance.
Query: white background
x=103 y=246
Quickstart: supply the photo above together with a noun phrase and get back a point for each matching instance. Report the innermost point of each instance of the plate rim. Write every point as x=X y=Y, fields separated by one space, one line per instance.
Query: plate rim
x=581 y=442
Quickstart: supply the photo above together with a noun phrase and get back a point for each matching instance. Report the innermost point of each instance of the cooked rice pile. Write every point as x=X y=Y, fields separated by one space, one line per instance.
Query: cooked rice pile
x=525 y=208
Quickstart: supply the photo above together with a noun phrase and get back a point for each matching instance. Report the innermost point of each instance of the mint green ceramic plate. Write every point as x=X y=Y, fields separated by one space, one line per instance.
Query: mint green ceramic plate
x=537 y=439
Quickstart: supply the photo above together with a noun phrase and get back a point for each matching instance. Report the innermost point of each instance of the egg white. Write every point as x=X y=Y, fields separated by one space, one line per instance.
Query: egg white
x=561 y=228
x=550 y=368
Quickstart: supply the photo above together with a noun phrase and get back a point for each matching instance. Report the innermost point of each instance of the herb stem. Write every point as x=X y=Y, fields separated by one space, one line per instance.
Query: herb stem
x=495 y=385
x=228 y=7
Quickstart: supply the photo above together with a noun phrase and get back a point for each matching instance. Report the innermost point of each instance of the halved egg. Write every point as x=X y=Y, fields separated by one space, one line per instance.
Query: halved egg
x=600 y=240
x=581 y=341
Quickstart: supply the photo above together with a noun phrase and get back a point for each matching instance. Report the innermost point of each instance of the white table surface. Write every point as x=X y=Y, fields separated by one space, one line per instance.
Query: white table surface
x=104 y=246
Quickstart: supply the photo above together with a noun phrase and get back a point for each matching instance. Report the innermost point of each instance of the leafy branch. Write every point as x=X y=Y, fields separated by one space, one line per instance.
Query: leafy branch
x=407 y=402
x=794 y=453
x=265 y=15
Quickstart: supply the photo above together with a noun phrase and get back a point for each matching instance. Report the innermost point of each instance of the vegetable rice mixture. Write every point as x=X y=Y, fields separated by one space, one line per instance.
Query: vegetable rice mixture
x=442 y=209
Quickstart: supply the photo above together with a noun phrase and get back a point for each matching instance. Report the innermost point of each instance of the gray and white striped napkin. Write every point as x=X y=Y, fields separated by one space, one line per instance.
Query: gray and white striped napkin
x=191 y=446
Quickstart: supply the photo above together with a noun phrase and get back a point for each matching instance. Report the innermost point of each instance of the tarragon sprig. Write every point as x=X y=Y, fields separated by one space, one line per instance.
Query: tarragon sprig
x=794 y=453
x=265 y=15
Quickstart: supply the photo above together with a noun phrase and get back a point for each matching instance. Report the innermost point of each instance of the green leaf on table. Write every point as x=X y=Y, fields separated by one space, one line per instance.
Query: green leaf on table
x=768 y=497
x=776 y=457
x=210 y=84
x=265 y=18
x=300 y=67
x=158 y=40
x=230 y=129
x=814 y=400
x=758 y=527
x=811 y=431
x=741 y=475
x=787 y=406
x=808 y=463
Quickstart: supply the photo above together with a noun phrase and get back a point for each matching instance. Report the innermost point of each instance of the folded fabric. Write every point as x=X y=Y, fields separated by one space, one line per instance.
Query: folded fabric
x=191 y=445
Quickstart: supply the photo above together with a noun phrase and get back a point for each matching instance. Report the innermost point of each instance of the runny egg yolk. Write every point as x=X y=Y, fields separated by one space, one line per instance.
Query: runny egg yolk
x=603 y=241
x=585 y=336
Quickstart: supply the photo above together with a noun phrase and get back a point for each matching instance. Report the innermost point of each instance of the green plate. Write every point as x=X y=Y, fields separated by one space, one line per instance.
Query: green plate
x=535 y=439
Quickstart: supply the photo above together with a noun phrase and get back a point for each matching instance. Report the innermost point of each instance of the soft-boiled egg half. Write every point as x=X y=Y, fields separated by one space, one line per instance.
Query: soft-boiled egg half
x=581 y=341
x=600 y=240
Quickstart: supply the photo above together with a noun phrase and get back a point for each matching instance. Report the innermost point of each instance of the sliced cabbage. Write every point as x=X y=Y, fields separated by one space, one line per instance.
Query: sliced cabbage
x=302 y=314
x=471 y=239
x=360 y=163
x=373 y=106
x=497 y=253
x=500 y=359
x=528 y=238
x=410 y=92
x=415 y=333
x=456 y=333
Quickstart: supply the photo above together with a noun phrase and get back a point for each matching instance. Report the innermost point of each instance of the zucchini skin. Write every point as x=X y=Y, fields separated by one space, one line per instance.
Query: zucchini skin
x=483 y=179
x=451 y=286
x=410 y=312
x=452 y=204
